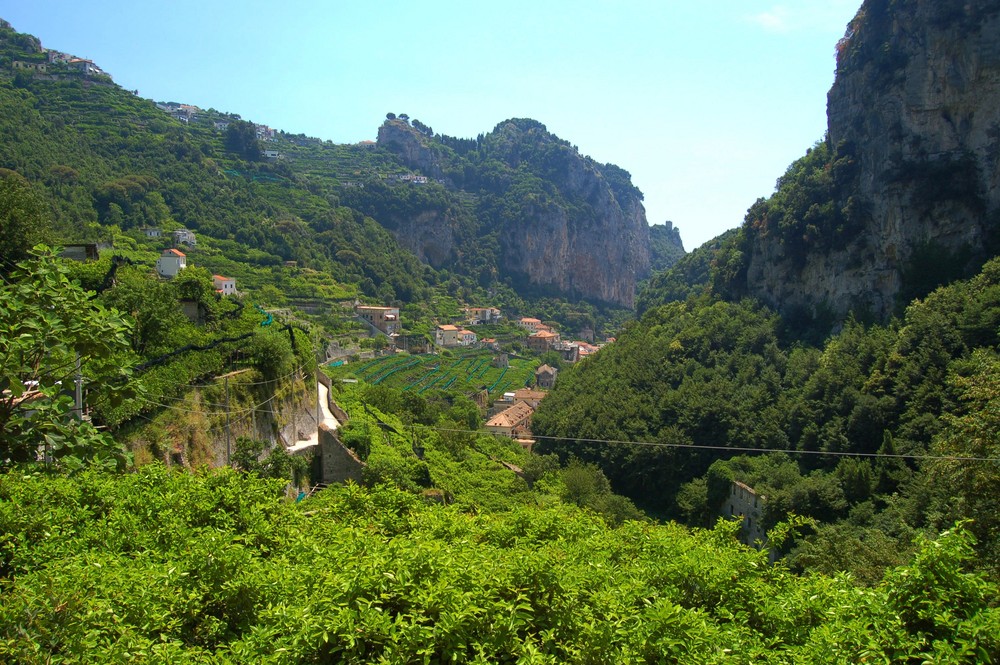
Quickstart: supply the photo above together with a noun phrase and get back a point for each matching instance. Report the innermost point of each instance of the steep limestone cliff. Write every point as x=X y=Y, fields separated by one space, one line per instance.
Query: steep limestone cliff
x=557 y=221
x=914 y=141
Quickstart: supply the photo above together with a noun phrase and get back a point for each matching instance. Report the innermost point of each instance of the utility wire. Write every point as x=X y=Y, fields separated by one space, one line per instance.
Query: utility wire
x=245 y=411
x=695 y=446
x=255 y=383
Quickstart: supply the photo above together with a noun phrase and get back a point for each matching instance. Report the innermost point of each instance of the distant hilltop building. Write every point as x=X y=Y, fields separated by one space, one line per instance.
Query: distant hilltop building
x=86 y=66
x=30 y=66
x=182 y=112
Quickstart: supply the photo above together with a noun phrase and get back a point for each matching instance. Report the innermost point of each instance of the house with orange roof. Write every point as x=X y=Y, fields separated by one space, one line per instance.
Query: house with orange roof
x=171 y=262
x=512 y=422
x=543 y=340
x=446 y=335
x=224 y=285
x=529 y=323
x=529 y=396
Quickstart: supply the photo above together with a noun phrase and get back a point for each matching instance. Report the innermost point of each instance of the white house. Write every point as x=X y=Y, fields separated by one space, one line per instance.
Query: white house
x=466 y=338
x=171 y=262
x=224 y=285
x=185 y=237
x=152 y=232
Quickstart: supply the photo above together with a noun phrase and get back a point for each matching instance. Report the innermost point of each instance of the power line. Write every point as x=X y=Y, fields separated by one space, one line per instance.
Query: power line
x=738 y=449
x=295 y=371
x=243 y=412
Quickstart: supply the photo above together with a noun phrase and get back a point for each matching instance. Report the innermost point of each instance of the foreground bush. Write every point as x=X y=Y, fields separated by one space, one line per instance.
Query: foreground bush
x=217 y=567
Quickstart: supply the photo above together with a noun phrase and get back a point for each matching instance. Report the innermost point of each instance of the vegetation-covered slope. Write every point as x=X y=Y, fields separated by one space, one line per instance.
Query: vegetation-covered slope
x=216 y=567
x=694 y=379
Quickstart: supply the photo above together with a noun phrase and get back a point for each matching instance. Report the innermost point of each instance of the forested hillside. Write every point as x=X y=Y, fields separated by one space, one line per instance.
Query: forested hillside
x=868 y=419
x=129 y=533
x=110 y=164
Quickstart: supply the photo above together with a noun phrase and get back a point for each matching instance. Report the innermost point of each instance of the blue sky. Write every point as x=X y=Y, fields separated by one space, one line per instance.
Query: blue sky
x=704 y=102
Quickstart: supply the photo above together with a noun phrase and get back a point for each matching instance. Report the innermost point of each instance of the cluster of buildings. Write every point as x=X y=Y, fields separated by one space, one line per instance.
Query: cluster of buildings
x=190 y=113
x=87 y=67
x=172 y=261
x=408 y=177
x=448 y=335
x=182 y=112
x=541 y=338
x=180 y=236
x=511 y=414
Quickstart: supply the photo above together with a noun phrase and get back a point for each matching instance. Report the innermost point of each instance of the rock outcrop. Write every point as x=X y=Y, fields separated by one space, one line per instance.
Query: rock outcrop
x=561 y=223
x=915 y=111
x=665 y=246
x=412 y=146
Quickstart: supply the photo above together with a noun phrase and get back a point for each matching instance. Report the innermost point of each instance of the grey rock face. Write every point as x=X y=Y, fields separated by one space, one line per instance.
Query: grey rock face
x=916 y=103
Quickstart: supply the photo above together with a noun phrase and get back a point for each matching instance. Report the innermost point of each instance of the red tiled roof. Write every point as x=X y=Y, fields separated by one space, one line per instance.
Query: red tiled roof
x=175 y=252
x=512 y=416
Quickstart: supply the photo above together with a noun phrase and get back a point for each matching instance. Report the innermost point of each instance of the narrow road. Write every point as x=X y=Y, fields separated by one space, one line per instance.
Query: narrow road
x=328 y=420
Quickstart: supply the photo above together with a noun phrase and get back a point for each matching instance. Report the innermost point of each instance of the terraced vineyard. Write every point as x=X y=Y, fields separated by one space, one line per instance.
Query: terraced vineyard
x=467 y=372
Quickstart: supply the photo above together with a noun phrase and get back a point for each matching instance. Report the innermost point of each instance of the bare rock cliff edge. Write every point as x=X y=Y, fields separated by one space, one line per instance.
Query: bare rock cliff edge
x=914 y=141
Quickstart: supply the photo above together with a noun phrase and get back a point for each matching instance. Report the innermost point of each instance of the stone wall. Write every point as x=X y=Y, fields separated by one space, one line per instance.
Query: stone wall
x=339 y=464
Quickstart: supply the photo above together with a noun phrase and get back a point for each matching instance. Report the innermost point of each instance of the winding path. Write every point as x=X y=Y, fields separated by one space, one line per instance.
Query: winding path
x=328 y=419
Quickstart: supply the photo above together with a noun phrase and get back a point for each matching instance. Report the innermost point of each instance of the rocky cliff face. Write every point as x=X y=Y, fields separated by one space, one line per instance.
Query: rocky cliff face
x=412 y=145
x=915 y=111
x=562 y=223
x=589 y=238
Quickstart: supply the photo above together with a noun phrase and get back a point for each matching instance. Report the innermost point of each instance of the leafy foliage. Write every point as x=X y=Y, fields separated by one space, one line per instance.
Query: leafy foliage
x=52 y=333
x=216 y=567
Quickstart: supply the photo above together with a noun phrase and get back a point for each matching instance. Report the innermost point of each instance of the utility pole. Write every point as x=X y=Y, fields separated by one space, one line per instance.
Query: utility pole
x=228 y=448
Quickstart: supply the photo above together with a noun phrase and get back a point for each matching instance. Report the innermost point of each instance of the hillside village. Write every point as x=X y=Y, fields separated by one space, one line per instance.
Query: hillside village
x=507 y=413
